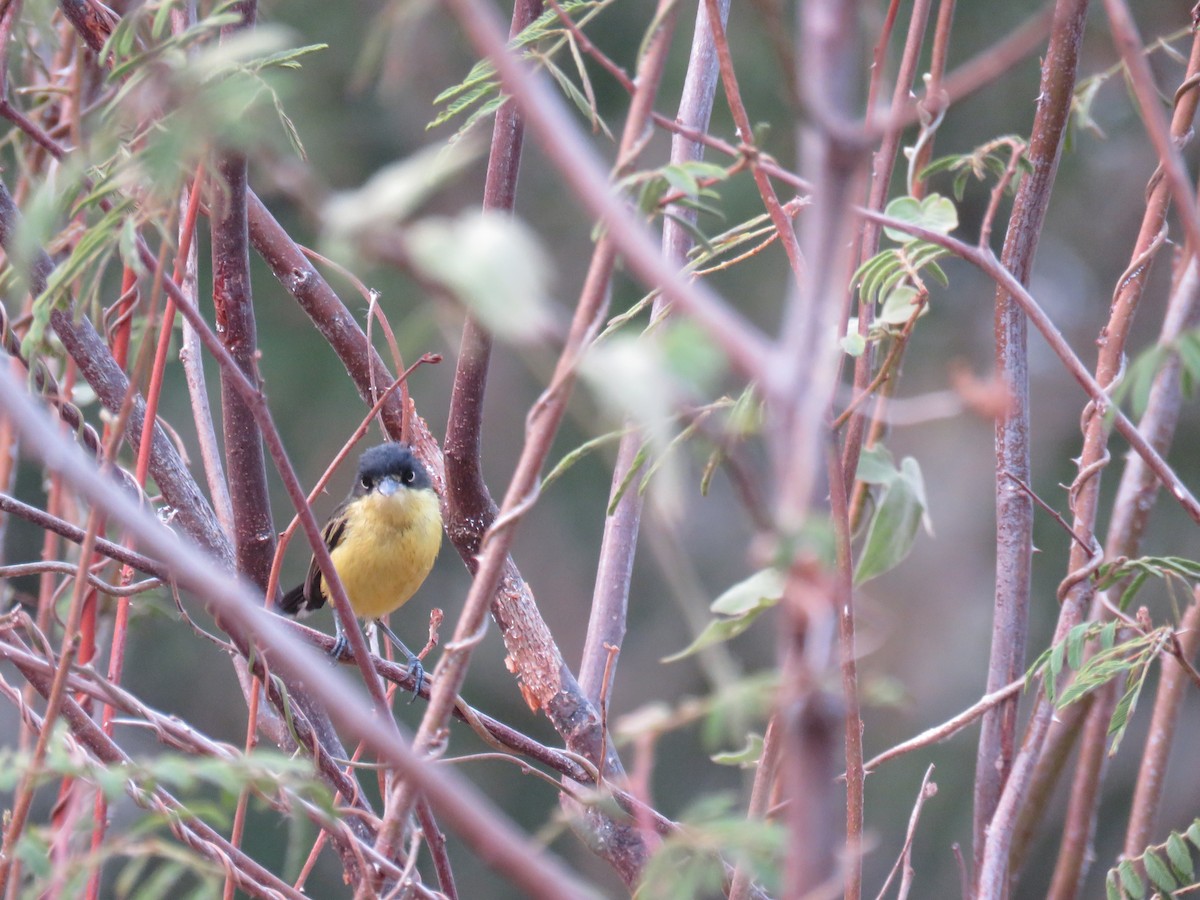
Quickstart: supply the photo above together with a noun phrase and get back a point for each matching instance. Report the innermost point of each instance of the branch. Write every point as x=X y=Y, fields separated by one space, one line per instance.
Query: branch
x=254 y=529
x=1014 y=510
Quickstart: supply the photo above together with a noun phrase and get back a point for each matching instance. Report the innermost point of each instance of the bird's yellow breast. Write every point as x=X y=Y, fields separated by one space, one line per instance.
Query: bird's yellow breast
x=387 y=549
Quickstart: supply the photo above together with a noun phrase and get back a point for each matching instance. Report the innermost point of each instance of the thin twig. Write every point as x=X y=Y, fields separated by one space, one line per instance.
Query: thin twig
x=904 y=861
x=947 y=729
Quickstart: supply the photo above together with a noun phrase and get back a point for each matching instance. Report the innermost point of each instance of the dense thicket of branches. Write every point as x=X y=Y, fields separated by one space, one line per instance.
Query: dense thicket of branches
x=677 y=297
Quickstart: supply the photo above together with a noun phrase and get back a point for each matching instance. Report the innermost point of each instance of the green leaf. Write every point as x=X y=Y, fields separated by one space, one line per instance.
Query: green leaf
x=395 y=192
x=900 y=305
x=698 y=236
x=1187 y=345
x=746 y=415
x=748 y=595
x=746 y=758
x=584 y=449
x=494 y=265
x=681 y=180
x=720 y=630
x=468 y=98
x=1158 y=872
x=1180 y=857
x=1125 y=707
x=1056 y=660
x=1082 y=102
x=933 y=213
x=699 y=169
x=574 y=95
x=1108 y=635
x=893 y=528
x=1075 y=641
x=1193 y=833
x=1112 y=890
x=937 y=273
x=853 y=344
x=876 y=466
x=1131 y=882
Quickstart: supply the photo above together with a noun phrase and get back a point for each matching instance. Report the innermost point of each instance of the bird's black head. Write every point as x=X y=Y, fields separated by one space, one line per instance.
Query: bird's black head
x=392 y=460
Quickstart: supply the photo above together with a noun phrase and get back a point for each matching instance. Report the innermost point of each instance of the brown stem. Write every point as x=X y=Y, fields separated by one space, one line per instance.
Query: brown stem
x=741 y=120
x=254 y=529
x=839 y=509
x=47 y=522
x=1148 y=790
x=1014 y=510
x=765 y=785
x=55 y=694
x=324 y=308
x=987 y=263
x=801 y=389
x=566 y=150
x=109 y=382
x=470 y=508
x=948 y=728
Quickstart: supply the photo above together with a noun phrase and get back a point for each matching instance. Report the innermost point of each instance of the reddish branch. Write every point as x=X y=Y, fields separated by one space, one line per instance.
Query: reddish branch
x=1084 y=494
x=254 y=529
x=470 y=509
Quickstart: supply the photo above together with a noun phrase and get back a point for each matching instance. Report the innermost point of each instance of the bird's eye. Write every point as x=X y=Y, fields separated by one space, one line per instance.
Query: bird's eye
x=365 y=481
x=408 y=476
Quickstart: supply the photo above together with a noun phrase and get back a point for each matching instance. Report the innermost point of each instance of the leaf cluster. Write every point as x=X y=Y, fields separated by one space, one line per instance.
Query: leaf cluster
x=1130 y=659
x=687 y=865
x=1139 y=379
x=893 y=280
x=478 y=95
x=1169 y=869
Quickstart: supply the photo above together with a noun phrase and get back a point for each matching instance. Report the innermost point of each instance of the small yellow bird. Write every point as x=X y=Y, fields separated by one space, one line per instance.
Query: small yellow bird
x=383 y=540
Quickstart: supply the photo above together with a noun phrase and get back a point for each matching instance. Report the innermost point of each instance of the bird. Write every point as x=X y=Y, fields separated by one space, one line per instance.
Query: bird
x=383 y=539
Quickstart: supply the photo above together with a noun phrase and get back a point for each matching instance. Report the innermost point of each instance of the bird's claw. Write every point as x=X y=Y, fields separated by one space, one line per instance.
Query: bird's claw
x=340 y=648
x=417 y=672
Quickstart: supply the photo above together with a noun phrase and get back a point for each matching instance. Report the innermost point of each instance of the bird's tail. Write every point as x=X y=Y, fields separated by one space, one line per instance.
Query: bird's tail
x=294 y=603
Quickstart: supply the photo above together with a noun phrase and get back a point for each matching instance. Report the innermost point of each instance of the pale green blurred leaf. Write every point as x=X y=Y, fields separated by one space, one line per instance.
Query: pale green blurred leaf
x=747 y=595
x=853 y=344
x=746 y=758
x=934 y=213
x=493 y=264
x=396 y=191
x=721 y=630
x=893 y=529
x=899 y=305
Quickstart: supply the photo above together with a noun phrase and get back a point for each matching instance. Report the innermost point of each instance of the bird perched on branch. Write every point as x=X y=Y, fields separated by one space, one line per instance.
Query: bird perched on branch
x=383 y=540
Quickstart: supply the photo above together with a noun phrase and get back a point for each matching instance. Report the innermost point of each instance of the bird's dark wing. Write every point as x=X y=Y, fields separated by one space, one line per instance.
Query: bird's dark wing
x=309 y=594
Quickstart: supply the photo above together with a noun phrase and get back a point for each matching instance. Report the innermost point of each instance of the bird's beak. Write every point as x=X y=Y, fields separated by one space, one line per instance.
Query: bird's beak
x=388 y=485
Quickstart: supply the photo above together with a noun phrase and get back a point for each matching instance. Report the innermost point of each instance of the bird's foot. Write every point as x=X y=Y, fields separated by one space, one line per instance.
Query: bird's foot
x=417 y=672
x=340 y=649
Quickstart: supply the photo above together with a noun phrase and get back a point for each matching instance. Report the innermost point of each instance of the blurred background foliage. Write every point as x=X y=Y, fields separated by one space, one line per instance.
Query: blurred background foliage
x=364 y=103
